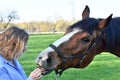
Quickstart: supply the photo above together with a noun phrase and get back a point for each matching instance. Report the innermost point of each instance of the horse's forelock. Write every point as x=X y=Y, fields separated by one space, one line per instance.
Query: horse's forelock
x=86 y=25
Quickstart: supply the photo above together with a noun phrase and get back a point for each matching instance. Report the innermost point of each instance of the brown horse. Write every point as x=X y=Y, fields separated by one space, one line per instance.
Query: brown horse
x=81 y=42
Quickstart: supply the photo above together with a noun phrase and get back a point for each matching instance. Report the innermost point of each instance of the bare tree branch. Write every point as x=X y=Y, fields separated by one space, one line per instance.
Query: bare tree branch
x=5 y=20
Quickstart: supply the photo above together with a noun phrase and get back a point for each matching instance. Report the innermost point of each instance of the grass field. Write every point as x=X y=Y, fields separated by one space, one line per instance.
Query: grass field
x=105 y=66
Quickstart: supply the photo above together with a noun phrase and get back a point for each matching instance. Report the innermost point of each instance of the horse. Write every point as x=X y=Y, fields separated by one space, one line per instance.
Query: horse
x=81 y=42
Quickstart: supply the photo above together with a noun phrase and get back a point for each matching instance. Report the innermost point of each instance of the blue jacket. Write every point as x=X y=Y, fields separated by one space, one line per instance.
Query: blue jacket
x=10 y=72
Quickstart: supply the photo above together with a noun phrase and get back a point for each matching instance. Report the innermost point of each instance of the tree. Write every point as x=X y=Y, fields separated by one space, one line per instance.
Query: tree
x=6 y=19
x=62 y=24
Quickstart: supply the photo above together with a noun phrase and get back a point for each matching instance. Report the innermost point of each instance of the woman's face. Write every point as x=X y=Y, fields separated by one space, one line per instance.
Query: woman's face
x=25 y=46
x=22 y=51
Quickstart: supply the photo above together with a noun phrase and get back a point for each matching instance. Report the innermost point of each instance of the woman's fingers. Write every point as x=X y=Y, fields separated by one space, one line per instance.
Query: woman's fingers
x=36 y=74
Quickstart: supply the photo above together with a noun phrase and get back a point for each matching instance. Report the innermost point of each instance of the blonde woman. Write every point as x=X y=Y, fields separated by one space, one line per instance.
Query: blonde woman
x=13 y=43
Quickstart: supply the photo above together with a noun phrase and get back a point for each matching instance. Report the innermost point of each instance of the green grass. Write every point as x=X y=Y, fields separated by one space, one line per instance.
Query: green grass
x=105 y=66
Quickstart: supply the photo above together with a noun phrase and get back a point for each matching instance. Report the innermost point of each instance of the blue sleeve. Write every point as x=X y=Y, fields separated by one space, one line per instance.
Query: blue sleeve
x=4 y=75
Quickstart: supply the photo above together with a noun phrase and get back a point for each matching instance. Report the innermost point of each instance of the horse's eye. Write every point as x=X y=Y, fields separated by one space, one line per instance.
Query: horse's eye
x=85 y=39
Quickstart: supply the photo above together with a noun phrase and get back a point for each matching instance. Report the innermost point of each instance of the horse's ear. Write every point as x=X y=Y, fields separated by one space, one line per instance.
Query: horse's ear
x=103 y=23
x=85 y=13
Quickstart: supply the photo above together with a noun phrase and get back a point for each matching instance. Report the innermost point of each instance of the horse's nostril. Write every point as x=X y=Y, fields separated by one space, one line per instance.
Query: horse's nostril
x=40 y=57
x=49 y=60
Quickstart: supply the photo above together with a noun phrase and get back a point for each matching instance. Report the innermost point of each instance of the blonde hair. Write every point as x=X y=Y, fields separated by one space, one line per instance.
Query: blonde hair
x=12 y=42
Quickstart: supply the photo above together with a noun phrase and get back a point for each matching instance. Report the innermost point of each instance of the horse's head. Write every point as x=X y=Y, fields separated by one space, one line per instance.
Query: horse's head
x=75 y=48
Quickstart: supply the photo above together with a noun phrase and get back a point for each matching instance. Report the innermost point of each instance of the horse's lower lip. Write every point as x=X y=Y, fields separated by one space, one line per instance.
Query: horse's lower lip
x=45 y=71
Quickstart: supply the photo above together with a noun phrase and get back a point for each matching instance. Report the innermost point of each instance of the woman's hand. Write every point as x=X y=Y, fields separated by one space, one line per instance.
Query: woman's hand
x=36 y=74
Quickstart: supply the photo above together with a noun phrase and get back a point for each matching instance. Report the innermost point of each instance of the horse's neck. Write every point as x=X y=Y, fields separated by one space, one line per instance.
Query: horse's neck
x=111 y=38
x=112 y=34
